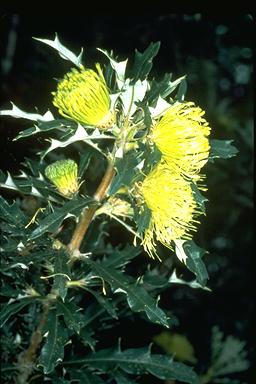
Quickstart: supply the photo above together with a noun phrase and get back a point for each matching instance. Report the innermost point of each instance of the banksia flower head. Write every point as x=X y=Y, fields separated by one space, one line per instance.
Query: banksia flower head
x=173 y=209
x=63 y=174
x=181 y=136
x=83 y=96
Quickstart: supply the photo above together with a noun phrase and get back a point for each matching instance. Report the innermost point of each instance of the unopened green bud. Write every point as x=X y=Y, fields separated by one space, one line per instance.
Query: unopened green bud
x=63 y=174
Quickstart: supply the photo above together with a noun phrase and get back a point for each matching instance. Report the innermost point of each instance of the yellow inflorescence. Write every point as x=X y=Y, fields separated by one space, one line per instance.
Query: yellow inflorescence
x=63 y=174
x=83 y=96
x=173 y=208
x=182 y=137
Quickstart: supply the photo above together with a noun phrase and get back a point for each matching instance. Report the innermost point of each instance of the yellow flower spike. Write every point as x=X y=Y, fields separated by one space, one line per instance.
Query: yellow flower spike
x=181 y=135
x=83 y=96
x=63 y=174
x=173 y=208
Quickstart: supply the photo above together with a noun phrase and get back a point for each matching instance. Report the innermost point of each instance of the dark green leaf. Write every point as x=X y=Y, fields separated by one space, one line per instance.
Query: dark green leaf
x=199 y=198
x=11 y=309
x=195 y=262
x=84 y=161
x=222 y=149
x=53 y=349
x=12 y=213
x=92 y=312
x=162 y=88
x=137 y=297
x=122 y=378
x=86 y=335
x=137 y=362
x=143 y=62
x=52 y=222
x=181 y=91
x=86 y=377
x=72 y=315
x=62 y=271
x=44 y=126
x=104 y=302
x=142 y=219
x=30 y=185
x=120 y=257
x=59 y=380
x=126 y=171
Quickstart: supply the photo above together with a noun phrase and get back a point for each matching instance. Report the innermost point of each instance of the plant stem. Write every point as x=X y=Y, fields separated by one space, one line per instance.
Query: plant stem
x=88 y=213
x=26 y=359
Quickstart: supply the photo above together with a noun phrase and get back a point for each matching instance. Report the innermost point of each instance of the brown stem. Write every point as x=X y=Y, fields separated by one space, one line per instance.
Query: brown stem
x=26 y=359
x=88 y=213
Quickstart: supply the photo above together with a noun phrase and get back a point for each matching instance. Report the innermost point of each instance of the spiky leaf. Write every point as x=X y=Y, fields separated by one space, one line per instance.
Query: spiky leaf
x=137 y=297
x=120 y=257
x=12 y=213
x=61 y=272
x=11 y=309
x=72 y=315
x=83 y=376
x=80 y=134
x=222 y=149
x=64 y=52
x=53 y=349
x=126 y=171
x=51 y=222
x=44 y=126
x=137 y=362
x=143 y=62
x=194 y=261
x=19 y=114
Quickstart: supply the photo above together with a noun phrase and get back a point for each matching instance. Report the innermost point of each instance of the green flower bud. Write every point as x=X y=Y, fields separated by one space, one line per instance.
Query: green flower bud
x=63 y=174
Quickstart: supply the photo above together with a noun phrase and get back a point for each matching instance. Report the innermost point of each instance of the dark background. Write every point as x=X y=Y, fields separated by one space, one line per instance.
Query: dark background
x=216 y=53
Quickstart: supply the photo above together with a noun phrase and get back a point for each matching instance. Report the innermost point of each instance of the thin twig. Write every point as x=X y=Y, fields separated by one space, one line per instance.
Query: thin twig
x=88 y=213
x=26 y=359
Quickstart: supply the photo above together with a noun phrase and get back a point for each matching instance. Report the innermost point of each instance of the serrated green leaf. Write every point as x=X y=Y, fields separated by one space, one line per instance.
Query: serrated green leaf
x=44 y=126
x=19 y=114
x=137 y=297
x=84 y=162
x=199 y=198
x=11 y=309
x=72 y=315
x=28 y=185
x=12 y=213
x=105 y=303
x=173 y=279
x=59 y=380
x=61 y=271
x=126 y=171
x=122 y=378
x=181 y=91
x=53 y=349
x=52 y=222
x=118 y=258
x=162 y=88
x=118 y=66
x=137 y=362
x=80 y=134
x=143 y=62
x=86 y=335
x=222 y=149
x=194 y=261
x=142 y=219
x=86 y=377
x=64 y=52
